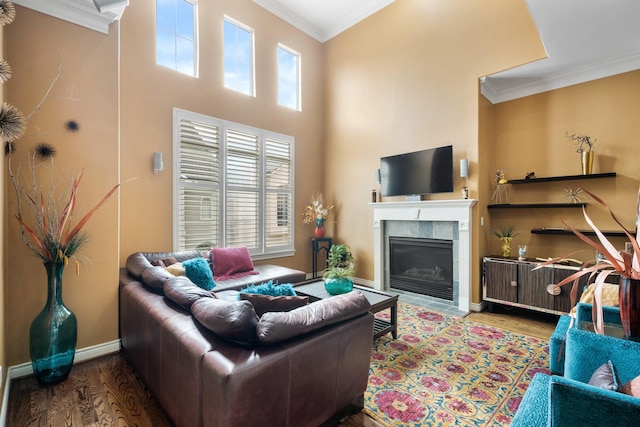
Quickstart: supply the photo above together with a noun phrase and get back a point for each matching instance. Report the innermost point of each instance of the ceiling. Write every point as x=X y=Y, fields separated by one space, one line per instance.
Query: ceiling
x=323 y=19
x=584 y=39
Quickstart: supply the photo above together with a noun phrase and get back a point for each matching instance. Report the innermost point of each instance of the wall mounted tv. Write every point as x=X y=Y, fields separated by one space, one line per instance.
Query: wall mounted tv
x=420 y=172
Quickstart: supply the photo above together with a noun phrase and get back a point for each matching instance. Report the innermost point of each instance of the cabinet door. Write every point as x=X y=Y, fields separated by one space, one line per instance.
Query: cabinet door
x=562 y=302
x=500 y=280
x=532 y=286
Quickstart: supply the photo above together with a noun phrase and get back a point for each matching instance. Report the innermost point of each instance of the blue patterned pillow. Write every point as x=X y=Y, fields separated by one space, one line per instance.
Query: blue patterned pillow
x=269 y=288
x=198 y=271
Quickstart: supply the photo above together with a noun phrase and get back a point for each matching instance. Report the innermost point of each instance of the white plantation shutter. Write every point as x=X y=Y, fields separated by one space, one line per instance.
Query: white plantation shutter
x=279 y=185
x=198 y=184
x=243 y=190
x=234 y=186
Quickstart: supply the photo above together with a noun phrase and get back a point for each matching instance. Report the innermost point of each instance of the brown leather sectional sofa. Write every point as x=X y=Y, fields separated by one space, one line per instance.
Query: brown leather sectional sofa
x=202 y=378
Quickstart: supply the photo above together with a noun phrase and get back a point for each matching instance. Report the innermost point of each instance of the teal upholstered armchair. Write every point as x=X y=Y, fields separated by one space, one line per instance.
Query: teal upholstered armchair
x=569 y=400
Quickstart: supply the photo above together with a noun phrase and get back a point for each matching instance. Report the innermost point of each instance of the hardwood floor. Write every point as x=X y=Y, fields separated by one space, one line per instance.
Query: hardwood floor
x=106 y=391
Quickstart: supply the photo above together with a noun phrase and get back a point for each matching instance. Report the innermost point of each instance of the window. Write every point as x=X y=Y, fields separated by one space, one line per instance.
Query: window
x=288 y=78
x=238 y=57
x=176 y=35
x=233 y=186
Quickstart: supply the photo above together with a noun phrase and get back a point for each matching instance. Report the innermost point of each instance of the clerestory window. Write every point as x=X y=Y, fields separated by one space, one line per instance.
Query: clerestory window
x=288 y=78
x=238 y=57
x=176 y=45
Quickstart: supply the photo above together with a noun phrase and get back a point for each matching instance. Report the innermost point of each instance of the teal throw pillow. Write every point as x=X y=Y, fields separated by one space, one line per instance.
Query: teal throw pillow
x=269 y=288
x=198 y=271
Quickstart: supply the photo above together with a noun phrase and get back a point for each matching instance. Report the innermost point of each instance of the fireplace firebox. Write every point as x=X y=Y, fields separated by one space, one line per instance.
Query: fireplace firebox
x=421 y=265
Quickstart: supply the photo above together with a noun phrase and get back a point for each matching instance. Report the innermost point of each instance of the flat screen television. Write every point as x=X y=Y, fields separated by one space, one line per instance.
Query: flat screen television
x=420 y=172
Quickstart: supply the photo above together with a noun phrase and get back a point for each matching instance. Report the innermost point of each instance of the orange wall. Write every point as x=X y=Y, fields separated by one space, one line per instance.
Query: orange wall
x=86 y=92
x=407 y=79
x=3 y=264
x=530 y=136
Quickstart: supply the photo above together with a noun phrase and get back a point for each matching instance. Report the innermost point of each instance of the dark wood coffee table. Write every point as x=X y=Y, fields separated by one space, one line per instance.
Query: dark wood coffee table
x=379 y=301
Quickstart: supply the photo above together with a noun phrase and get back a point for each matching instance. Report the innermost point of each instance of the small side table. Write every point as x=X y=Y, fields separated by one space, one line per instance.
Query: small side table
x=319 y=244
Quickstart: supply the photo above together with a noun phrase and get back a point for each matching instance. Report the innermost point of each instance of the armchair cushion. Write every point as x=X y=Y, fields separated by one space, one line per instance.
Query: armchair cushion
x=586 y=351
x=605 y=377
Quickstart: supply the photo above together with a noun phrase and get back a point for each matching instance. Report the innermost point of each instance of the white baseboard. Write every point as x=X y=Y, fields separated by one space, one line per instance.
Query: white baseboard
x=478 y=307
x=24 y=369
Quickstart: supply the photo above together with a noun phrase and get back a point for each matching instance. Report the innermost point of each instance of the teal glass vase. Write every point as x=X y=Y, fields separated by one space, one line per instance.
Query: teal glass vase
x=338 y=286
x=53 y=334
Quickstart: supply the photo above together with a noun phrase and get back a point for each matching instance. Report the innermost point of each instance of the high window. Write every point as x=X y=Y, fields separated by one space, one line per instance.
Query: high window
x=288 y=78
x=233 y=186
x=176 y=45
x=238 y=57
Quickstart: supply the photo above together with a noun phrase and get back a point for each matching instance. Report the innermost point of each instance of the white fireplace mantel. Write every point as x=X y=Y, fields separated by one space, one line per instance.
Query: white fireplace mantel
x=431 y=210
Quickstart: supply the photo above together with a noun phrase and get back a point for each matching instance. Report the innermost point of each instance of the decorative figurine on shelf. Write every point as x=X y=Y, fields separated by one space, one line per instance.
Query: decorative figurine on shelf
x=574 y=195
x=501 y=181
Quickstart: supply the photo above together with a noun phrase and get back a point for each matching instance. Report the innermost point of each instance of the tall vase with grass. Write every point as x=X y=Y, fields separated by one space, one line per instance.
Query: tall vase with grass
x=45 y=213
x=506 y=235
x=622 y=263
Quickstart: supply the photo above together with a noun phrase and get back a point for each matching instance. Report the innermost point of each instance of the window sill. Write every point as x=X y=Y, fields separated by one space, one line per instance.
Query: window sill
x=273 y=255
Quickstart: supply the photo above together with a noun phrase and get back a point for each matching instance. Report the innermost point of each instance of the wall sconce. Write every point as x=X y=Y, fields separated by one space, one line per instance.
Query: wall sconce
x=157 y=162
x=464 y=173
x=464 y=168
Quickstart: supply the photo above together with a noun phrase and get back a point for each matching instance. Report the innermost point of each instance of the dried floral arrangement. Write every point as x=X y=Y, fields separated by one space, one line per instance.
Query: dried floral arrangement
x=316 y=211
x=582 y=142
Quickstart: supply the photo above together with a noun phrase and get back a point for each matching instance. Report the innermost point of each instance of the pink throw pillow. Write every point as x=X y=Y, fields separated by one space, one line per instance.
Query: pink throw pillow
x=231 y=262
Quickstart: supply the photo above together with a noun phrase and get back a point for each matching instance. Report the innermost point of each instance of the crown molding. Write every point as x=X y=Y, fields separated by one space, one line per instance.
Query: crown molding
x=79 y=12
x=497 y=90
x=323 y=34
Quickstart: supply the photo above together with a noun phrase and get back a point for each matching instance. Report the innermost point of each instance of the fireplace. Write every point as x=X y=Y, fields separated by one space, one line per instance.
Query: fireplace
x=434 y=219
x=421 y=265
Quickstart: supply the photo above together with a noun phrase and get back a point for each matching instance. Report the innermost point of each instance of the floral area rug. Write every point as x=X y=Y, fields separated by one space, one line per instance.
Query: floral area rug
x=449 y=371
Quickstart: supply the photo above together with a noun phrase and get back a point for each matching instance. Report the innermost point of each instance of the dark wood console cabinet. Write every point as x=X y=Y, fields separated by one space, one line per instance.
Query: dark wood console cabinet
x=512 y=282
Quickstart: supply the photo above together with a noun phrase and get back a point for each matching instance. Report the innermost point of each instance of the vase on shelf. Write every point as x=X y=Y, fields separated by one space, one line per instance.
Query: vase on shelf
x=320 y=230
x=629 y=300
x=53 y=334
x=506 y=246
x=587 y=162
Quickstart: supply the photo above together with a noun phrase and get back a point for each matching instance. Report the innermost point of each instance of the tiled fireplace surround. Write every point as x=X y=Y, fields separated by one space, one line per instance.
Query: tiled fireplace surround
x=436 y=219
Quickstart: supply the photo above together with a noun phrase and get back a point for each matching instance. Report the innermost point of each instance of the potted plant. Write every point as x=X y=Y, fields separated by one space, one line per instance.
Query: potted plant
x=506 y=235
x=586 y=147
x=337 y=275
x=623 y=263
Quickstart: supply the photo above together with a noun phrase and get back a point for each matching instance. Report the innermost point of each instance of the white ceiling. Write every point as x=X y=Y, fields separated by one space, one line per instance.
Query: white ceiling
x=584 y=39
x=323 y=19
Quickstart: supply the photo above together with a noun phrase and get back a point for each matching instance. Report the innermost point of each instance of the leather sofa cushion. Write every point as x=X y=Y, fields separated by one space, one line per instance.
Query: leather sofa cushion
x=277 y=327
x=154 y=278
x=232 y=320
x=183 y=292
x=266 y=303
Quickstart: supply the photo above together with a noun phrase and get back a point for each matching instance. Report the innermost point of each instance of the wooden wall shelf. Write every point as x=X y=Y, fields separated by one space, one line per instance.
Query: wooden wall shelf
x=563 y=178
x=567 y=232
x=536 y=205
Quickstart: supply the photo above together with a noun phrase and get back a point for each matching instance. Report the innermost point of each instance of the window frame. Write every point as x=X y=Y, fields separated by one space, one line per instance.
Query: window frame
x=298 y=82
x=175 y=33
x=262 y=251
x=252 y=56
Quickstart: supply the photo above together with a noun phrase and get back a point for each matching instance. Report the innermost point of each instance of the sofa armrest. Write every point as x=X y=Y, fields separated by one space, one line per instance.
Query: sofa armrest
x=577 y=404
x=534 y=406
x=586 y=351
